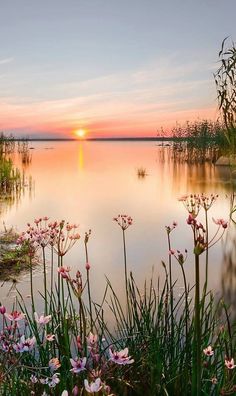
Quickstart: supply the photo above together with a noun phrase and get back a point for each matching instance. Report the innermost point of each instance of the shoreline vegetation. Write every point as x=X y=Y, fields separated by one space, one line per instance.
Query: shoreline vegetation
x=159 y=343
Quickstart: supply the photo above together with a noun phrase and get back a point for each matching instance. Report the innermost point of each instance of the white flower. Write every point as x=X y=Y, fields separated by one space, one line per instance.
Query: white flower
x=93 y=386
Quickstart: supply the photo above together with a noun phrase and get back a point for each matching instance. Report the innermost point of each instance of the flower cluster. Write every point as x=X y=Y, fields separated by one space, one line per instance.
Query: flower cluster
x=96 y=364
x=169 y=229
x=75 y=283
x=124 y=221
x=60 y=235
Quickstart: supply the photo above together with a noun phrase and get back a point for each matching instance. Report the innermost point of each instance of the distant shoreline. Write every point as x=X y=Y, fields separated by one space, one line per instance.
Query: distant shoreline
x=122 y=139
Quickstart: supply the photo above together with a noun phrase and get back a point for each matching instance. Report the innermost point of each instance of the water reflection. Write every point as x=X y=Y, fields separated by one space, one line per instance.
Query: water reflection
x=92 y=195
x=81 y=156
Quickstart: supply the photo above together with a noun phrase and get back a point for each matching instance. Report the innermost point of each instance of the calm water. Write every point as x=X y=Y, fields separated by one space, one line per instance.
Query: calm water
x=91 y=182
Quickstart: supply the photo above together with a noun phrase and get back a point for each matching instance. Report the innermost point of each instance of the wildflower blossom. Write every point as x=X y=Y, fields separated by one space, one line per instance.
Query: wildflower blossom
x=75 y=391
x=121 y=357
x=192 y=203
x=2 y=309
x=208 y=351
x=33 y=379
x=92 y=340
x=221 y=222
x=50 y=337
x=172 y=227
x=214 y=380
x=78 y=365
x=124 y=221
x=63 y=271
x=25 y=345
x=15 y=316
x=42 y=320
x=54 y=364
x=93 y=387
x=229 y=363
x=207 y=201
x=54 y=380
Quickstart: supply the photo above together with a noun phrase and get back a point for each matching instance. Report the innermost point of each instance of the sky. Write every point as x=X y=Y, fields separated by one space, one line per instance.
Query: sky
x=109 y=67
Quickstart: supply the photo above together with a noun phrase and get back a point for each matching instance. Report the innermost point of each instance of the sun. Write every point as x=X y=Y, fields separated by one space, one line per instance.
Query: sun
x=80 y=133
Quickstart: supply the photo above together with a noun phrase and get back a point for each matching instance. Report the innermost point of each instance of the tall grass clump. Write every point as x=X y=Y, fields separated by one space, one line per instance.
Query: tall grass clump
x=225 y=79
x=198 y=142
x=158 y=343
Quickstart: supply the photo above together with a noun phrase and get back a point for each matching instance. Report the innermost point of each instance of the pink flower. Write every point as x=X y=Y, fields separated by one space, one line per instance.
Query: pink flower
x=120 y=357
x=2 y=309
x=15 y=316
x=208 y=351
x=230 y=364
x=33 y=379
x=50 y=337
x=24 y=345
x=221 y=222
x=78 y=365
x=124 y=221
x=87 y=266
x=54 y=364
x=42 y=320
x=63 y=271
x=54 y=380
x=75 y=391
x=92 y=340
x=172 y=252
x=93 y=387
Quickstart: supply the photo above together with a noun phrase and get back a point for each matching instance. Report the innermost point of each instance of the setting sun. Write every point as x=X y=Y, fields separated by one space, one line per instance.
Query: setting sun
x=80 y=133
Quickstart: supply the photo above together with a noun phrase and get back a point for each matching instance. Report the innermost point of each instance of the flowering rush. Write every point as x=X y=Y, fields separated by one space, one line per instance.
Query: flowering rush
x=124 y=221
x=15 y=316
x=59 y=234
x=229 y=363
x=120 y=357
x=42 y=320
x=93 y=387
x=24 y=345
x=78 y=365
x=208 y=351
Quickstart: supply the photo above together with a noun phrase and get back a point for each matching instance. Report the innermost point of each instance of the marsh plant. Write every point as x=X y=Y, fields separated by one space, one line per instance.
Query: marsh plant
x=225 y=79
x=157 y=344
x=198 y=142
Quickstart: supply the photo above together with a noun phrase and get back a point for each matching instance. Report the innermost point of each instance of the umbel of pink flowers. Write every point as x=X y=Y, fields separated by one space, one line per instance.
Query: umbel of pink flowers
x=60 y=235
x=124 y=221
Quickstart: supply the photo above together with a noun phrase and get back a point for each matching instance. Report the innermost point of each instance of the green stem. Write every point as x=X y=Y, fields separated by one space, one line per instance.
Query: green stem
x=126 y=275
x=89 y=290
x=31 y=285
x=45 y=282
x=171 y=288
x=197 y=334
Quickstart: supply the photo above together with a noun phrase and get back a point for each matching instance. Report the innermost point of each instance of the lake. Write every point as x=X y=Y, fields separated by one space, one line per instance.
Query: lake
x=89 y=183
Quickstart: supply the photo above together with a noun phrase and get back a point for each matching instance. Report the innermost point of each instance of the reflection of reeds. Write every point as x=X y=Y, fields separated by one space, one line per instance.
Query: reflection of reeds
x=23 y=150
x=141 y=172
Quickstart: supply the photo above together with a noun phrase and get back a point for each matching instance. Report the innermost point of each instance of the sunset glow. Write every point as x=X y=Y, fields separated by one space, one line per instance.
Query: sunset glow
x=80 y=133
x=119 y=78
